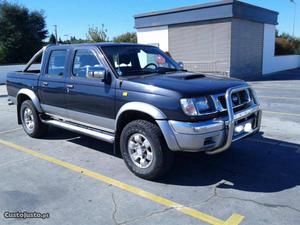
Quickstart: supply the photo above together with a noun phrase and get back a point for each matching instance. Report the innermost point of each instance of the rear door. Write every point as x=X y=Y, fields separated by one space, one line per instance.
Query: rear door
x=52 y=84
x=91 y=101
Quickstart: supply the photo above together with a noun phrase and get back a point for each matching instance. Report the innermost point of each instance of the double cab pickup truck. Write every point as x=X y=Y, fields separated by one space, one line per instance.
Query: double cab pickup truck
x=136 y=97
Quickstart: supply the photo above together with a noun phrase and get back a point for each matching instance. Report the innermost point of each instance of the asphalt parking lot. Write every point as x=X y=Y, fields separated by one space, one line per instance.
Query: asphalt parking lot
x=77 y=180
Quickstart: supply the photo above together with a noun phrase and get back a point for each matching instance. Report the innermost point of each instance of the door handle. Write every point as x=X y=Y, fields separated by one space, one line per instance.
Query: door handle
x=45 y=84
x=70 y=86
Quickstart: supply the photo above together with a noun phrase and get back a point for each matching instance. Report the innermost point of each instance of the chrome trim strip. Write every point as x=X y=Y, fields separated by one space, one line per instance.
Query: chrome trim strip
x=53 y=110
x=97 y=122
x=56 y=117
x=90 y=120
x=92 y=133
x=245 y=113
x=32 y=96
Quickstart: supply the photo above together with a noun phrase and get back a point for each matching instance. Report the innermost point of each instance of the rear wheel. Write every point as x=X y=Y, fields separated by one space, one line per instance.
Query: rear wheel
x=31 y=122
x=144 y=150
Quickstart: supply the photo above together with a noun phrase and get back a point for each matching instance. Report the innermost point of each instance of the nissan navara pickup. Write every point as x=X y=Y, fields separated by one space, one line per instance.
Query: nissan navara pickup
x=136 y=97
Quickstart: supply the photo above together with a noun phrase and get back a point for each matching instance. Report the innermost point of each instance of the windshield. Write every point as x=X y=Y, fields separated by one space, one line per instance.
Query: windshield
x=136 y=60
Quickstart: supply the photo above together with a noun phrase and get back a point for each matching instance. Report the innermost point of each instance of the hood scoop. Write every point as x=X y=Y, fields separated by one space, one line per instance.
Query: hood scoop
x=189 y=76
x=195 y=76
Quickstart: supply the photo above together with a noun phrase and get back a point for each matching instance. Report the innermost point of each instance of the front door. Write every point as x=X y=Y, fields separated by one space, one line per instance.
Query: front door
x=52 y=82
x=90 y=100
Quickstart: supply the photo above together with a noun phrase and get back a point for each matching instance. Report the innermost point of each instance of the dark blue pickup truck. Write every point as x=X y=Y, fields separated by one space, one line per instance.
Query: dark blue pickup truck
x=136 y=97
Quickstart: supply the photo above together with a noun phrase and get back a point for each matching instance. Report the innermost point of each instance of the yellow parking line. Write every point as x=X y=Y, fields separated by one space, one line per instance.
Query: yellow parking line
x=282 y=113
x=234 y=219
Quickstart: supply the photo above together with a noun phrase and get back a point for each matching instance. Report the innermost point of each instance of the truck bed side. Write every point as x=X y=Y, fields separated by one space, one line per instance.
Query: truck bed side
x=19 y=80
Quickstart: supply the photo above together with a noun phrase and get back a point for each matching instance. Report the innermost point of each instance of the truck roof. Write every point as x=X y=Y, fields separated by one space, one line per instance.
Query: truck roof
x=98 y=44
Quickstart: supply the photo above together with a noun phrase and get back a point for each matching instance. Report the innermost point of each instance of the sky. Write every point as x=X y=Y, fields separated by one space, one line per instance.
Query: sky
x=74 y=17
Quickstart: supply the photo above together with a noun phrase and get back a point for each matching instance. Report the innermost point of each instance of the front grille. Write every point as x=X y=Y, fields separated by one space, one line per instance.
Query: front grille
x=222 y=100
x=240 y=100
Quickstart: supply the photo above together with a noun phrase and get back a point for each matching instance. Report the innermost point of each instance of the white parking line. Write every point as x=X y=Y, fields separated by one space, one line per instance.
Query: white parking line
x=9 y=131
x=277 y=97
x=282 y=113
x=275 y=88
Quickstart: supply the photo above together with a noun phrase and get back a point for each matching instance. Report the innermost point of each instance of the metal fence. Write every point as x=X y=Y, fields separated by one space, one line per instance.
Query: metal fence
x=206 y=67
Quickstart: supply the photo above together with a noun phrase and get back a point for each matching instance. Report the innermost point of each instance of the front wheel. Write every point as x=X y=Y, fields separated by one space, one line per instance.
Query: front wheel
x=31 y=122
x=144 y=150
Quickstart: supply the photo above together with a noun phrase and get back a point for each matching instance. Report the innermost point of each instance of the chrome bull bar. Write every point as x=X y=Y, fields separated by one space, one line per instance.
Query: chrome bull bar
x=232 y=117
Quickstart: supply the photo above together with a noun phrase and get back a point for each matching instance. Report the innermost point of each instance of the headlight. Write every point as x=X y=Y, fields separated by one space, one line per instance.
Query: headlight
x=195 y=106
x=188 y=107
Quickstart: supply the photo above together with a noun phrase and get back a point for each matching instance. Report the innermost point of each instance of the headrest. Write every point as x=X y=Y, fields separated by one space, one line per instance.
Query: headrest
x=124 y=58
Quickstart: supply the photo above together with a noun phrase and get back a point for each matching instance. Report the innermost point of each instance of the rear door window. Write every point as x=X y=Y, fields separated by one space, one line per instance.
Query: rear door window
x=56 y=65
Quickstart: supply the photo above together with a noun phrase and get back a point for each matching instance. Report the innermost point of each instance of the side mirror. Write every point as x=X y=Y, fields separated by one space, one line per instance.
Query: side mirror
x=97 y=72
x=181 y=65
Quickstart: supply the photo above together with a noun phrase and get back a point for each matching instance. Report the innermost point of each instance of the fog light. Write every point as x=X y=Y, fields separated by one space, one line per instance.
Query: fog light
x=239 y=129
x=248 y=127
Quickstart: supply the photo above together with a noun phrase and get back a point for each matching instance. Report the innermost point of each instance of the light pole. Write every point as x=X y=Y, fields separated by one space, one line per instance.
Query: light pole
x=295 y=11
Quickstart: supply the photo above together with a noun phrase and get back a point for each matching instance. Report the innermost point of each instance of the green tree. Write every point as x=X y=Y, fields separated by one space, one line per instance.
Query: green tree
x=22 y=33
x=74 y=40
x=286 y=44
x=126 y=37
x=52 y=39
x=97 y=34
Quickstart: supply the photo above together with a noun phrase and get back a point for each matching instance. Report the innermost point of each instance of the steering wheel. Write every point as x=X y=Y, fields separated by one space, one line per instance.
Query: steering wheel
x=151 y=64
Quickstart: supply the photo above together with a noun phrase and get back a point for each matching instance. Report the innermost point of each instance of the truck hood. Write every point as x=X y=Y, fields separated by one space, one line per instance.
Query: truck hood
x=189 y=84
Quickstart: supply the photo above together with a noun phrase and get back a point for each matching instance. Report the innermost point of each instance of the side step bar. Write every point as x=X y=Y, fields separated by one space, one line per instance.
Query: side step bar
x=82 y=130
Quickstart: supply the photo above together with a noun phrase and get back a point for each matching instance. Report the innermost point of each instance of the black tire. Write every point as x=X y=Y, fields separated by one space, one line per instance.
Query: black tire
x=162 y=157
x=39 y=129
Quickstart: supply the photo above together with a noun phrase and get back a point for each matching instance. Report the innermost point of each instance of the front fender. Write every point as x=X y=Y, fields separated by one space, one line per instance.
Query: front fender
x=146 y=108
x=160 y=118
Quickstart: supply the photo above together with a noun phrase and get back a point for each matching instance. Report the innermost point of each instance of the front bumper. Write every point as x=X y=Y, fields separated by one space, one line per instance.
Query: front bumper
x=216 y=135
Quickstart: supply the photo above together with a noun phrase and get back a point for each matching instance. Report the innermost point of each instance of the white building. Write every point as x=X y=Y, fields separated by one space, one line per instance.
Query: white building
x=228 y=37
